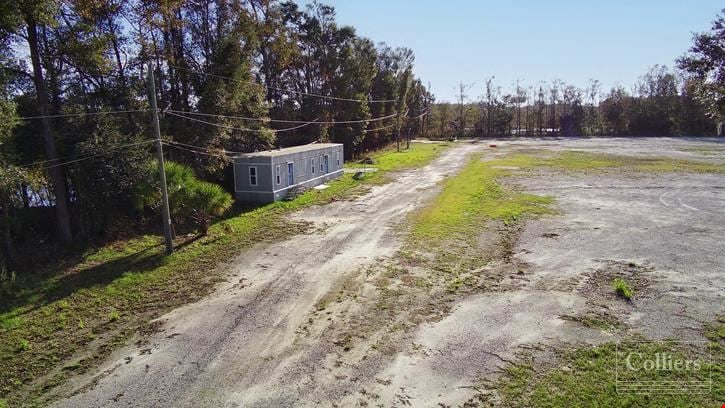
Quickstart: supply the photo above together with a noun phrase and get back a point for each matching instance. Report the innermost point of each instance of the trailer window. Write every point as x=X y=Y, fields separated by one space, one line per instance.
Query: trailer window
x=337 y=157
x=313 y=166
x=278 y=174
x=252 y=176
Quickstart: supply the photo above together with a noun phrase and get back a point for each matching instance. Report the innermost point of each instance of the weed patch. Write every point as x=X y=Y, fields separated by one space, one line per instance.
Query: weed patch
x=471 y=198
x=446 y=234
x=585 y=161
x=390 y=159
x=622 y=288
x=587 y=377
x=593 y=320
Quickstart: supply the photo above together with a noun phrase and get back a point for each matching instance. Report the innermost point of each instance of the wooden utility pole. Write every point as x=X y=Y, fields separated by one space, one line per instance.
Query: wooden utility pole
x=397 y=132
x=165 y=213
x=429 y=109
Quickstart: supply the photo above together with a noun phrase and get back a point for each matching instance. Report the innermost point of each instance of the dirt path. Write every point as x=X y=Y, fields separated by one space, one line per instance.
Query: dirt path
x=223 y=351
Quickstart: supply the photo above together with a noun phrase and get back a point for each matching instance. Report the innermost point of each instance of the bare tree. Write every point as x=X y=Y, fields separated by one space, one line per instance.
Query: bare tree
x=593 y=91
x=462 y=89
x=518 y=98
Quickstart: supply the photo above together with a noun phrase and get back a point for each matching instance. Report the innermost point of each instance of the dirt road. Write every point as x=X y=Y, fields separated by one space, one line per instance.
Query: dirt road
x=223 y=351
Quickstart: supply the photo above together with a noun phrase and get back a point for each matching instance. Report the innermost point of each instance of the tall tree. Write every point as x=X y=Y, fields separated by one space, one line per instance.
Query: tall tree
x=614 y=111
x=462 y=109
x=36 y=17
x=706 y=63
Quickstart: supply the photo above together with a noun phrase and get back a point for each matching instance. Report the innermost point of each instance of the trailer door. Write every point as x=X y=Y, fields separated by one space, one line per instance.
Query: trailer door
x=290 y=173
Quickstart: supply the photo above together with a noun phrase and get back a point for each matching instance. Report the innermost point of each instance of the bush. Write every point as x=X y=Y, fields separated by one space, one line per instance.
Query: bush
x=189 y=197
x=207 y=200
x=623 y=289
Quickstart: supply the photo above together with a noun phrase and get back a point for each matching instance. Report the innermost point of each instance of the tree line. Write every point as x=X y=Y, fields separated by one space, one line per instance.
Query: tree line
x=660 y=104
x=689 y=101
x=75 y=98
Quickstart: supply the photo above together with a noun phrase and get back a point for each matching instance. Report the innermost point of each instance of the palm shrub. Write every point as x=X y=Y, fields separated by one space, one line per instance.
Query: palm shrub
x=207 y=200
x=189 y=197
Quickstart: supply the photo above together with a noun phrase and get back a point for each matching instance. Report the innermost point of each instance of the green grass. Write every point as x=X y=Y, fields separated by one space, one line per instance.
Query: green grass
x=77 y=310
x=389 y=159
x=623 y=289
x=582 y=161
x=473 y=197
x=23 y=345
x=705 y=150
x=445 y=234
x=586 y=378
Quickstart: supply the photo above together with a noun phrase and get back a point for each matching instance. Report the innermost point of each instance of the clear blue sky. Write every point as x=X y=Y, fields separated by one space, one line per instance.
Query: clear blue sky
x=614 y=41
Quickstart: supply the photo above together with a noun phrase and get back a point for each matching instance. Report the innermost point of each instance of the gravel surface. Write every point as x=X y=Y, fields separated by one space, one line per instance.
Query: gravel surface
x=241 y=346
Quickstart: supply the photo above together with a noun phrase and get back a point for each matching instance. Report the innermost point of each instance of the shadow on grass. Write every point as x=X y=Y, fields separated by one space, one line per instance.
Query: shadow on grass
x=60 y=279
x=61 y=271
x=42 y=290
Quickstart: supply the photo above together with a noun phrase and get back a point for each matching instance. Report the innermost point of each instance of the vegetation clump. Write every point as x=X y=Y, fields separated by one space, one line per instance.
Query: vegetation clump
x=587 y=377
x=189 y=197
x=623 y=289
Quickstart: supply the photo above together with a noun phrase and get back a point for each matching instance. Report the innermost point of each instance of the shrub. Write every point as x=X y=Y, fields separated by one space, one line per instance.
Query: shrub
x=114 y=315
x=623 y=289
x=23 y=345
x=189 y=197
x=207 y=200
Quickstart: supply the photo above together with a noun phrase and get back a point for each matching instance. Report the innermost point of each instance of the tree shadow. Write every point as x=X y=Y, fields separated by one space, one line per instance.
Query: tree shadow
x=40 y=293
x=64 y=273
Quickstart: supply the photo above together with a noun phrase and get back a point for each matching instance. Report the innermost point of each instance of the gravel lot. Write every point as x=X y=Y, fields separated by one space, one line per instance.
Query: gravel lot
x=242 y=346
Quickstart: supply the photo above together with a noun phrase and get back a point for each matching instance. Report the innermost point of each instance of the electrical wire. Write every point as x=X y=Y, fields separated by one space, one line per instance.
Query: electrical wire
x=287 y=90
x=63 y=115
x=381 y=128
x=86 y=157
x=204 y=149
x=422 y=114
x=194 y=151
x=282 y=120
x=242 y=129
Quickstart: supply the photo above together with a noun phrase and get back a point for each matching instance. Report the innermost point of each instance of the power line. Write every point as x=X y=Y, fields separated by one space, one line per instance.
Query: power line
x=337 y=98
x=282 y=120
x=84 y=157
x=174 y=143
x=421 y=115
x=242 y=129
x=381 y=128
x=206 y=149
x=194 y=151
x=63 y=115
x=169 y=141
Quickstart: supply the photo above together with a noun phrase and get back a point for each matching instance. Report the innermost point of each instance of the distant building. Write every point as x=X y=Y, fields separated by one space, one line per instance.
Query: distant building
x=264 y=177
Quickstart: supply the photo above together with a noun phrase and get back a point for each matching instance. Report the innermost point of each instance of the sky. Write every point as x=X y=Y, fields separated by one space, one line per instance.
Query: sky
x=614 y=41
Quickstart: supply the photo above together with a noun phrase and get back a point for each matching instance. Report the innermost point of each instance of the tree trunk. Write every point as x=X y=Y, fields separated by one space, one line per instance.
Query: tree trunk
x=24 y=194
x=7 y=237
x=56 y=173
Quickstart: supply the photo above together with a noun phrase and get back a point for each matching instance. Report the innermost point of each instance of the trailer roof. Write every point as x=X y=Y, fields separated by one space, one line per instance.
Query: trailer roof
x=289 y=150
